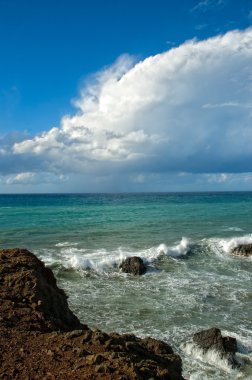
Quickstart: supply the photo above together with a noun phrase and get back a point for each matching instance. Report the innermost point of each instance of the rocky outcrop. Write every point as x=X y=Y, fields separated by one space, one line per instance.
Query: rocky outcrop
x=212 y=339
x=30 y=297
x=42 y=339
x=133 y=265
x=242 y=250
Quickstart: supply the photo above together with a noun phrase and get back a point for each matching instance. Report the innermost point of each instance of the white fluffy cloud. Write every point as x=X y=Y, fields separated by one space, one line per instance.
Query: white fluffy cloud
x=186 y=110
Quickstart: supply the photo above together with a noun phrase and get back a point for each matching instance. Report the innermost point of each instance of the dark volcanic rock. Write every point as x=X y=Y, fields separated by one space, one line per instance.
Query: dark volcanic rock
x=212 y=339
x=42 y=339
x=133 y=265
x=230 y=344
x=30 y=297
x=242 y=250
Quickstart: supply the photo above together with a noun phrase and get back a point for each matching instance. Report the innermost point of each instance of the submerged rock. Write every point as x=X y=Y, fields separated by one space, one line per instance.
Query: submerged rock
x=42 y=338
x=133 y=265
x=212 y=339
x=242 y=250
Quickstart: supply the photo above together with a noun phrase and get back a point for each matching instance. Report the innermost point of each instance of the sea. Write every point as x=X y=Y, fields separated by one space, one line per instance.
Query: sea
x=192 y=283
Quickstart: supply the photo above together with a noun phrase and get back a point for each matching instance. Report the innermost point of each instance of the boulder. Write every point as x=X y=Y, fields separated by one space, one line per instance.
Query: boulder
x=133 y=265
x=212 y=339
x=242 y=250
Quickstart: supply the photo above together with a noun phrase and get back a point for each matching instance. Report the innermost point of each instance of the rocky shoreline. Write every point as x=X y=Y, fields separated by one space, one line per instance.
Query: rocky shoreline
x=42 y=339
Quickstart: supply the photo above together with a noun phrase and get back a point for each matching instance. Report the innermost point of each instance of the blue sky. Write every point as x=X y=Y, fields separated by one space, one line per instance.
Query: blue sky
x=125 y=95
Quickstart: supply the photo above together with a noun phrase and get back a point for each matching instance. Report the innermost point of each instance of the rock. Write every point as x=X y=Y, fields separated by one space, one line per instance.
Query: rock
x=94 y=359
x=230 y=344
x=103 y=368
x=87 y=336
x=156 y=346
x=242 y=250
x=48 y=341
x=133 y=265
x=74 y=334
x=208 y=339
x=212 y=339
x=34 y=288
x=81 y=352
x=99 y=337
x=146 y=352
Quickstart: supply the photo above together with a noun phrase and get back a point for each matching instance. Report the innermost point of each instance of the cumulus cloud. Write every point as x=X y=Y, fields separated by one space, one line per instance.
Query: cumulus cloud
x=187 y=110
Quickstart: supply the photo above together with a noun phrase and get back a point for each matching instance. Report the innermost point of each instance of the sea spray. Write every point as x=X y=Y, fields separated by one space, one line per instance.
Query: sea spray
x=176 y=251
x=227 y=245
x=102 y=260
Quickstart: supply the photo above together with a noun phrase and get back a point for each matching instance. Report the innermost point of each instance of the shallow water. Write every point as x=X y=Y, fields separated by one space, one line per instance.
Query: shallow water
x=192 y=282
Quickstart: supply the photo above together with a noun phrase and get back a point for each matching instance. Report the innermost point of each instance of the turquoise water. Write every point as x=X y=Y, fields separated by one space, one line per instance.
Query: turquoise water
x=192 y=283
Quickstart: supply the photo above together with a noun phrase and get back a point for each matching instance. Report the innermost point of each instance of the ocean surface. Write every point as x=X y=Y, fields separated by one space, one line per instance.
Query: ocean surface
x=192 y=283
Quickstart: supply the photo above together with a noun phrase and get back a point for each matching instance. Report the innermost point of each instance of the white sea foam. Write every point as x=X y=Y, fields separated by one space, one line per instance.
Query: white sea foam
x=178 y=250
x=235 y=229
x=243 y=357
x=228 y=245
x=98 y=261
x=244 y=345
x=103 y=260
x=220 y=245
x=65 y=244
x=211 y=357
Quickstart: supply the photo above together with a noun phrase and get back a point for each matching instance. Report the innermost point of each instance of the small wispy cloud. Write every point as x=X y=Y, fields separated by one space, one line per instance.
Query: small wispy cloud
x=201 y=26
x=22 y=178
x=227 y=104
x=31 y=178
x=205 y=5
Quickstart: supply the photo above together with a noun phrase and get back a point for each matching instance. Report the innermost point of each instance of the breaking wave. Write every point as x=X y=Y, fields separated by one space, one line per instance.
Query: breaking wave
x=213 y=359
x=220 y=245
x=176 y=251
x=103 y=260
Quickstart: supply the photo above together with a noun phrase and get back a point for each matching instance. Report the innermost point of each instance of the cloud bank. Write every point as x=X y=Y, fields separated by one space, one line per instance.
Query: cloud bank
x=184 y=113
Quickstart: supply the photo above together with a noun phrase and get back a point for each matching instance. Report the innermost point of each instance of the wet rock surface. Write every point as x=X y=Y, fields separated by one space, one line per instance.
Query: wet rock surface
x=133 y=265
x=40 y=338
x=212 y=339
x=242 y=250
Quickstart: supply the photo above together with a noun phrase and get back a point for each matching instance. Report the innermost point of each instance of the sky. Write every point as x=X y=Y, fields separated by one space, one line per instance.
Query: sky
x=125 y=96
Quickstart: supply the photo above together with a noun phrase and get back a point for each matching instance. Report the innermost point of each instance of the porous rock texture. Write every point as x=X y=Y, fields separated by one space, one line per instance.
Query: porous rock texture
x=40 y=338
x=30 y=298
x=133 y=265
